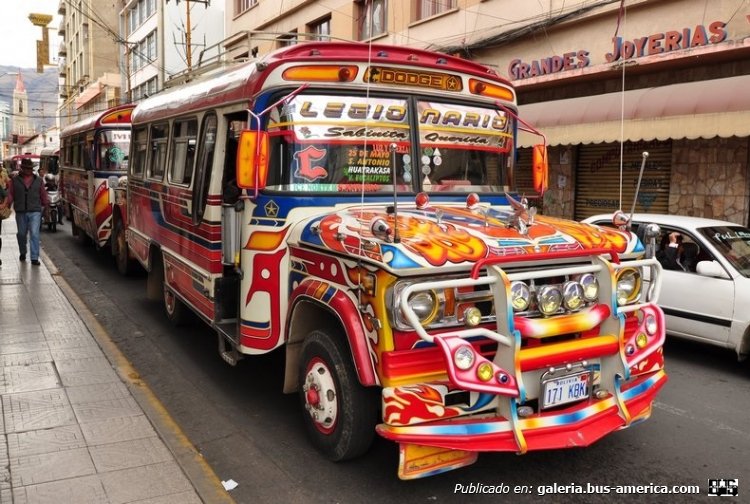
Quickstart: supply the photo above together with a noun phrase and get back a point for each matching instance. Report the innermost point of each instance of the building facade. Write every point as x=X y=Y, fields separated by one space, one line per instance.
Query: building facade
x=604 y=80
x=88 y=59
x=164 y=38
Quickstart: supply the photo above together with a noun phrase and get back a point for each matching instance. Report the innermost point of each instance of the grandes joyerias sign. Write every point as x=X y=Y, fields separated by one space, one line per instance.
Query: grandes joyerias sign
x=623 y=49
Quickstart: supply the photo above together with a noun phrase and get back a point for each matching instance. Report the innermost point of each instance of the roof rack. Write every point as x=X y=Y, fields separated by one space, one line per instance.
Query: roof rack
x=235 y=49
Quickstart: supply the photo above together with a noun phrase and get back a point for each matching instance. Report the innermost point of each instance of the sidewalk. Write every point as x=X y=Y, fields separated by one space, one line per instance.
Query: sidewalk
x=76 y=424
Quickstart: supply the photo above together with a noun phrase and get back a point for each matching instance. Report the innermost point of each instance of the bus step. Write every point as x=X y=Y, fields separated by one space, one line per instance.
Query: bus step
x=227 y=345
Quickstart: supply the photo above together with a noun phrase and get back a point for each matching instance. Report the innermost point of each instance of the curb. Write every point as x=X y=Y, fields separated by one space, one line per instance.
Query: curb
x=207 y=484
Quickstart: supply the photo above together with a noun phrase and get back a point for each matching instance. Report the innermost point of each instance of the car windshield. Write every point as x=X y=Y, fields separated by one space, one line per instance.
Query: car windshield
x=332 y=143
x=734 y=244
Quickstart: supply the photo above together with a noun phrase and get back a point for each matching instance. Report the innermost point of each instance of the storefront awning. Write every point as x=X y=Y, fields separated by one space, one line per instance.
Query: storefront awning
x=704 y=109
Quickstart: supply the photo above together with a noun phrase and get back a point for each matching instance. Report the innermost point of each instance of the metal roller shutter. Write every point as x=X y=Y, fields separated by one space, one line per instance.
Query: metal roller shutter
x=598 y=178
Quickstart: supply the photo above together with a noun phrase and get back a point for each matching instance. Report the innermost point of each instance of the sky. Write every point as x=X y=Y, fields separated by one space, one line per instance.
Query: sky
x=18 y=36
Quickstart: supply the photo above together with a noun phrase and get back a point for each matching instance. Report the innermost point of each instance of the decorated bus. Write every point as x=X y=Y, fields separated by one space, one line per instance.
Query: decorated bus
x=93 y=157
x=352 y=205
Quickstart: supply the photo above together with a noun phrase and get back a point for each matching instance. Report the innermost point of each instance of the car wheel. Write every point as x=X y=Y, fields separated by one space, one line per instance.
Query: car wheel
x=339 y=413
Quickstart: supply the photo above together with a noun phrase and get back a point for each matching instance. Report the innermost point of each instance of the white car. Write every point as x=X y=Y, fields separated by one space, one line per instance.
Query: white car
x=707 y=298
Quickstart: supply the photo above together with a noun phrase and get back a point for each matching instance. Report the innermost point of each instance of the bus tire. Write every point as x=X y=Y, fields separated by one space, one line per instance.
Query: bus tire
x=339 y=413
x=120 y=249
x=175 y=309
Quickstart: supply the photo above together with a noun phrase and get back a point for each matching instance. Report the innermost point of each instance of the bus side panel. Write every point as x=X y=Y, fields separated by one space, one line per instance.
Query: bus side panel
x=192 y=254
x=75 y=194
x=100 y=207
x=185 y=279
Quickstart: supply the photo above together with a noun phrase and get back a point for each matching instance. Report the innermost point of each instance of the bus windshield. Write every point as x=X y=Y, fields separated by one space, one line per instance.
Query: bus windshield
x=330 y=143
x=113 y=146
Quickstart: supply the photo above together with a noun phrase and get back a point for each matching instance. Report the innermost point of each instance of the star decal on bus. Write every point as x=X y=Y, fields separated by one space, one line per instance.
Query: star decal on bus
x=451 y=84
x=272 y=209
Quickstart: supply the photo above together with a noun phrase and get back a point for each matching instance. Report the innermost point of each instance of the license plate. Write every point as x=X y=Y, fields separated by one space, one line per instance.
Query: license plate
x=566 y=389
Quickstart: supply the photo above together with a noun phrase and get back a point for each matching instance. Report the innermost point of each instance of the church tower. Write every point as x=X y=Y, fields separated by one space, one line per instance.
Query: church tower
x=21 y=125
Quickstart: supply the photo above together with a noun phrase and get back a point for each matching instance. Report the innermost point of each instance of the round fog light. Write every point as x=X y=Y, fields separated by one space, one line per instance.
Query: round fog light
x=641 y=340
x=651 y=325
x=590 y=286
x=525 y=411
x=573 y=295
x=520 y=296
x=464 y=357
x=549 y=299
x=484 y=371
x=472 y=316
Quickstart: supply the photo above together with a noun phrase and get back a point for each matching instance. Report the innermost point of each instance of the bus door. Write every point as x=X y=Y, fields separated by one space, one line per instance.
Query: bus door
x=227 y=303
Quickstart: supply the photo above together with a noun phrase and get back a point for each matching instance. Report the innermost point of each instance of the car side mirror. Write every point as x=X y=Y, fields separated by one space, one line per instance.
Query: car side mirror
x=711 y=269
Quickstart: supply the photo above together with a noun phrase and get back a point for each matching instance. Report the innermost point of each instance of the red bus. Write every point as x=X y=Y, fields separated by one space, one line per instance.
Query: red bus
x=93 y=158
x=352 y=205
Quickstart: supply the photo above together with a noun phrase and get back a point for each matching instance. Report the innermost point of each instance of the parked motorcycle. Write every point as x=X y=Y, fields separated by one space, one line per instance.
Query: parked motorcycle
x=53 y=214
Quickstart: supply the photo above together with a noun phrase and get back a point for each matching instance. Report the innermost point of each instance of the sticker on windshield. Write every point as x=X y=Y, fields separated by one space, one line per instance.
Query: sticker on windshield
x=306 y=169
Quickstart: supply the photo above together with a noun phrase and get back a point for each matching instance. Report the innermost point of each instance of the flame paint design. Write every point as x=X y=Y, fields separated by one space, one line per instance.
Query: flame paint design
x=407 y=405
x=460 y=235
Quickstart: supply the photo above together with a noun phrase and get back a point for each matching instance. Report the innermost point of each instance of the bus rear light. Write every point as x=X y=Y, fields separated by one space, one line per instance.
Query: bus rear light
x=482 y=88
x=321 y=73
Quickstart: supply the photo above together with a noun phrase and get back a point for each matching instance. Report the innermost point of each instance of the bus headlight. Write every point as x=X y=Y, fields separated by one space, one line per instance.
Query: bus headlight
x=628 y=286
x=520 y=296
x=424 y=305
x=549 y=299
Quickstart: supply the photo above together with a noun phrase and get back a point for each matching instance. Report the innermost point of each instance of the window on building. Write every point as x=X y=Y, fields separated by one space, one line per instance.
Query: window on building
x=152 y=46
x=372 y=18
x=158 y=159
x=428 y=8
x=321 y=28
x=241 y=6
x=289 y=39
x=183 y=151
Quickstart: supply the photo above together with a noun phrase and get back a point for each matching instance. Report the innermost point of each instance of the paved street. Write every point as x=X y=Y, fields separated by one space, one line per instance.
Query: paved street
x=77 y=424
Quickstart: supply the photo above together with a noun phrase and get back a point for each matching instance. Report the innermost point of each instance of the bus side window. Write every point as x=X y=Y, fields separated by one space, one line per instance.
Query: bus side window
x=202 y=177
x=182 y=151
x=158 y=159
x=139 y=148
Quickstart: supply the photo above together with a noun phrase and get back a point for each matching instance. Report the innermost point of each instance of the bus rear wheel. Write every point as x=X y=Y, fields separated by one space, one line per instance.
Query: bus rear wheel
x=174 y=308
x=120 y=249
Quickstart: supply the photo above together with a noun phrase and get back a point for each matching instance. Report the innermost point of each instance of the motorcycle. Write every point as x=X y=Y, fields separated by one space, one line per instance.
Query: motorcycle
x=52 y=215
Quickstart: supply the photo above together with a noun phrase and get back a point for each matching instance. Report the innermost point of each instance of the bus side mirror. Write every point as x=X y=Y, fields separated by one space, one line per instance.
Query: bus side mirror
x=540 y=168
x=252 y=160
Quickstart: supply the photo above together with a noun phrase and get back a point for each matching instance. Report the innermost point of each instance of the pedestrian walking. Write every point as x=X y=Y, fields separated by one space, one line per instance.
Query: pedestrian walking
x=29 y=198
x=5 y=209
